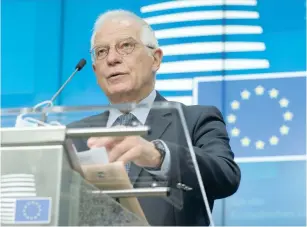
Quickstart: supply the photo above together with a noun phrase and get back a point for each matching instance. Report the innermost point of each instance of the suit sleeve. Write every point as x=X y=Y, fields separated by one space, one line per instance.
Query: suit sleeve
x=220 y=174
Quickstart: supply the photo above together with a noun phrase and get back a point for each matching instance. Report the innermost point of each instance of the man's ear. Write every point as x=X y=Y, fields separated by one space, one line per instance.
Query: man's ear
x=94 y=67
x=157 y=59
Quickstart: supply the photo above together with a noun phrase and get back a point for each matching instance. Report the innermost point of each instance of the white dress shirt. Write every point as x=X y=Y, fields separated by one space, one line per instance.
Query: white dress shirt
x=141 y=114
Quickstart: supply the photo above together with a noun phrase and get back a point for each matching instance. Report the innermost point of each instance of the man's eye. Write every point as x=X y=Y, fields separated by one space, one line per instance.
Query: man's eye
x=126 y=45
x=101 y=52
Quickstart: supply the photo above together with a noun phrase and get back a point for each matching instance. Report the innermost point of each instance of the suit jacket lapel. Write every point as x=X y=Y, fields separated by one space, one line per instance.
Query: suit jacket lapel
x=101 y=121
x=158 y=120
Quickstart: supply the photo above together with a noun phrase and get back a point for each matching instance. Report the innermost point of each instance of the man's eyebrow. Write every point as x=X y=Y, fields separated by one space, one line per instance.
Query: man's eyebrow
x=100 y=45
x=127 y=38
x=117 y=40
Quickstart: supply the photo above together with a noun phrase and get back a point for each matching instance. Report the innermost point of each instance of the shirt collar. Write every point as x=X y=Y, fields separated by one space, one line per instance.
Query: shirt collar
x=140 y=113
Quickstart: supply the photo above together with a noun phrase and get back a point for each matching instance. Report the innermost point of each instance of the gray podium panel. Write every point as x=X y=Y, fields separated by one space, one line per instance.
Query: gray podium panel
x=39 y=187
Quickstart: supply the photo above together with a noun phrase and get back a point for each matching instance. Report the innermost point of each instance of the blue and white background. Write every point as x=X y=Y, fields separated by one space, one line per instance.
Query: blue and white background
x=246 y=57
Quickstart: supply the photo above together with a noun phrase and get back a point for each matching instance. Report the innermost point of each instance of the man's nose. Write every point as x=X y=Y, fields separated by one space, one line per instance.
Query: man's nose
x=113 y=57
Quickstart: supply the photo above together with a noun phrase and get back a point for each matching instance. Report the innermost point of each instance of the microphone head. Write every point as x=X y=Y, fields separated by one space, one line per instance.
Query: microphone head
x=81 y=64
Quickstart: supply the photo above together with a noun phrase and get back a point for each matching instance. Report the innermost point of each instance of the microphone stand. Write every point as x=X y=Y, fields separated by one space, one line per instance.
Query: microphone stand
x=78 y=67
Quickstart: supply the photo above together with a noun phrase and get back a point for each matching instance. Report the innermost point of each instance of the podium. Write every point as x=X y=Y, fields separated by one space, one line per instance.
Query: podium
x=44 y=183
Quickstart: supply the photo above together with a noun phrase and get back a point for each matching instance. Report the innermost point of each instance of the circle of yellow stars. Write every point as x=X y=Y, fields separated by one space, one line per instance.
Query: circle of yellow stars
x=38 y=213
x=274 y=139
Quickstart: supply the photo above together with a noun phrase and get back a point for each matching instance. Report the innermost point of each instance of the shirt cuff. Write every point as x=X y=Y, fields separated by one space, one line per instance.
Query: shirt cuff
x=165 y=164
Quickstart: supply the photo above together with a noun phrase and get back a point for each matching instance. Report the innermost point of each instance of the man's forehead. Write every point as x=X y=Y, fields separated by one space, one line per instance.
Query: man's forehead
x=116 y=29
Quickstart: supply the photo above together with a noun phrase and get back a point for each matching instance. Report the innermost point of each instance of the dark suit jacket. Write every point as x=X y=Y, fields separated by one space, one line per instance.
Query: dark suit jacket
x=220 y=174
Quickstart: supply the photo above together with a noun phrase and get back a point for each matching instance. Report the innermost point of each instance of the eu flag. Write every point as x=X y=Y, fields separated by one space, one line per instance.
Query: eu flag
x=36 y=210
x=265 y=115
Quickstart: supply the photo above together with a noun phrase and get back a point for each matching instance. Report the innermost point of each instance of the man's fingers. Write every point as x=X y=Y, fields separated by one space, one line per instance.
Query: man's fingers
x=110 y=142
x=91 y=141
x=131 y=155
x=97 y=142
x=119 y=149
x=107 y=142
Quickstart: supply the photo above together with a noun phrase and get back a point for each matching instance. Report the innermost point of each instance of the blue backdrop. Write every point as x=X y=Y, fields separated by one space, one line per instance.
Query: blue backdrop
x=248 y=58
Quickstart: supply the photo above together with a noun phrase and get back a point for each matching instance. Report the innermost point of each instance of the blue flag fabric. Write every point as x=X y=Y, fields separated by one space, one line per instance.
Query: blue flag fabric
x=264 y=117
x=36 y=210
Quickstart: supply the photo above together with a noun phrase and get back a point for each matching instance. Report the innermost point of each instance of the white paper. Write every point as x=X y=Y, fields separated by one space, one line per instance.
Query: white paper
x=93 y=156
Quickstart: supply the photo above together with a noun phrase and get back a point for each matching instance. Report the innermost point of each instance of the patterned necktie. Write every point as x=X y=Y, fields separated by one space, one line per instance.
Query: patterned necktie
x=128 y=120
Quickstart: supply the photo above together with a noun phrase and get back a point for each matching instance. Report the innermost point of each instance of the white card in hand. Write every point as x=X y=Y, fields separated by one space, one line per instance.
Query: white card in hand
x=93 y=156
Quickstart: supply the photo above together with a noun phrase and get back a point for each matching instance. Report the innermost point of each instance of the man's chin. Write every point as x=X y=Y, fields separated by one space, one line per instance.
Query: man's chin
x=119 y=90
x=120 y=95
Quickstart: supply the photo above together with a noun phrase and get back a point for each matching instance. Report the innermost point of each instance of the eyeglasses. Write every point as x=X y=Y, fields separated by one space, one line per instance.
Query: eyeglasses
x=124 y=47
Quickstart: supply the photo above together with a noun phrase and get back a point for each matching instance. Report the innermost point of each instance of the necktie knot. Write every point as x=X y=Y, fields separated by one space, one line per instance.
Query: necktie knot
x=127 y=119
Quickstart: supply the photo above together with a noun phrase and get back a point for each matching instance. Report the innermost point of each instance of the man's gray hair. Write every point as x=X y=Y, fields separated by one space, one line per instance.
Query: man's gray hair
x=147 y=35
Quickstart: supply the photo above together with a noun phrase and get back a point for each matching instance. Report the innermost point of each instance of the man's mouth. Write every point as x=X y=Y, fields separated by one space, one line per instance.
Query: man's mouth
x=115 y=75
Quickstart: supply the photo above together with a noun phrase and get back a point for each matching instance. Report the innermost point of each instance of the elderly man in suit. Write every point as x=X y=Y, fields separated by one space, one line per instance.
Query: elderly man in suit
x=126 y=57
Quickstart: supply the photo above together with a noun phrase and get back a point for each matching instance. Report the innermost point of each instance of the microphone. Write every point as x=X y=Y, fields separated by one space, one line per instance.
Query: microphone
x=78 y=68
